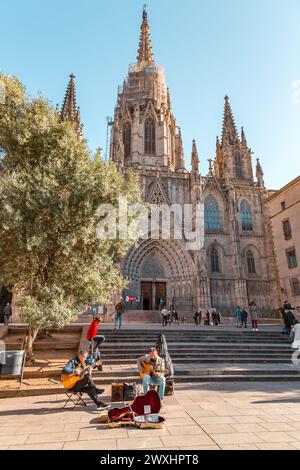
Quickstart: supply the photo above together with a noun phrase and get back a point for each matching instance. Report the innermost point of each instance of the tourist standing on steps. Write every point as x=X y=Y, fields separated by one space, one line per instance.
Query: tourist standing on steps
x=253 y=315
x=120 y=309
x=244 y=318
x=197 y=317
x=165 y=316
x=161 y=303
x=207 y=320
x=238 y=315
x=7 y=313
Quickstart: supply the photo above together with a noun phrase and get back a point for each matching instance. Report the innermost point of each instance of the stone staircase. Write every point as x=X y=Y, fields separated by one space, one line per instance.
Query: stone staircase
x=201 y=356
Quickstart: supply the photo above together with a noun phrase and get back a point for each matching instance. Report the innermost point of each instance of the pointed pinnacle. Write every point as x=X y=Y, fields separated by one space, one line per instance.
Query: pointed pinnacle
x=145 y=54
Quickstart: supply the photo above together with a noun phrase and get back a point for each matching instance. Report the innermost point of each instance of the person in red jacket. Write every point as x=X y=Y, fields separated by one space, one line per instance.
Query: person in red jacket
x=95 y=341
x=92 y=333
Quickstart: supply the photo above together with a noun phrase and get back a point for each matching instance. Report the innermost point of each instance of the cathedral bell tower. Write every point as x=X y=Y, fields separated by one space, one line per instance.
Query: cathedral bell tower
x=144 y=133
x=233 y=157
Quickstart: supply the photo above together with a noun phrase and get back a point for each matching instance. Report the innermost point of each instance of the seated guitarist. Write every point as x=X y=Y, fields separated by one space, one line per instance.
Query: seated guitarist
x=80 y=372
x=152 y=369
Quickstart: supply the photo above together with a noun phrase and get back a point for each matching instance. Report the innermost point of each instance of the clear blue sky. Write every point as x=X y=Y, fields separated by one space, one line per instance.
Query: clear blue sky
x=249 y=50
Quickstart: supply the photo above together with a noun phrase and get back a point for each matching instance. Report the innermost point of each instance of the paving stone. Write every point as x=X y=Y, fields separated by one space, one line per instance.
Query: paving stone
x=236 y=438
x=249 y=427
x=273 y=418
x=180 y=422
x=217 y=428
x=239 y=446
x=52 y=437
x=278 y=427
x=8 y=430
x=248 y=419
x=277 y=436
x=184 y=430
x=50 y=446
x=41 y=429
x=91 y=434
x=276 y=446
x=106 y=444
x=214 y=420
x=13 y=440
x=200 y=448
x=149 y=432
x=190 y=441
x=141 y=443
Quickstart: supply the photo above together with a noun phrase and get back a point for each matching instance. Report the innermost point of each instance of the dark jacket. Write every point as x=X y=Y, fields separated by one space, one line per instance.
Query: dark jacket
x=289 y=318
x=120 y=307
x=7 y=310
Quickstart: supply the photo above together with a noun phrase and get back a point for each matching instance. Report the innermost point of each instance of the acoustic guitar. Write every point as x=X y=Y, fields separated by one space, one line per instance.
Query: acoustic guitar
x=148 y=369
x=70 y=380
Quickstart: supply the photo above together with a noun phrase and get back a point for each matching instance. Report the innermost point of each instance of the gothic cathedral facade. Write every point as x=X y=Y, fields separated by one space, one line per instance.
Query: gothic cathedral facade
x=235 y=265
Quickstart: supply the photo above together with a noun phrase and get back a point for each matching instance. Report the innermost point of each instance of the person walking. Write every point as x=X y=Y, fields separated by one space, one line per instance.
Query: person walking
x=244 y=318
x=92 y=333
x=207 y=320
x=161 y=303
x=174 y=316
x=165 y=316
x=296 y=332
x=289 y=318
x=196 y=317
x=253 y=315
x=120 y=309
x=7 y=313
x=238 y=315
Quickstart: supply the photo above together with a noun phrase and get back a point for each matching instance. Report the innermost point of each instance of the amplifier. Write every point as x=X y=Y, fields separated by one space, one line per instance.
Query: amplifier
x=130 y=391
x=117 y=392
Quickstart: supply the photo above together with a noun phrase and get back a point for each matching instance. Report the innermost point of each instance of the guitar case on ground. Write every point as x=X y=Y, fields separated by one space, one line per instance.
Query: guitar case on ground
x=143 y=413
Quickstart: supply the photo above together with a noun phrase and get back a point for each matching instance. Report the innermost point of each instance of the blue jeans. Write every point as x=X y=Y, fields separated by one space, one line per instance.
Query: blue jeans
x=118 y=318
x=159 y=382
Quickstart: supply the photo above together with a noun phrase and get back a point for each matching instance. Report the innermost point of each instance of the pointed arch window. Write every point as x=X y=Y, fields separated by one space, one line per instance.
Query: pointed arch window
x=150 y=137
x=251 y=262
x=295 y=287
x=238 y=165
x=127 y=139
x=246 y=216
x=212 y=215
x=215 y=261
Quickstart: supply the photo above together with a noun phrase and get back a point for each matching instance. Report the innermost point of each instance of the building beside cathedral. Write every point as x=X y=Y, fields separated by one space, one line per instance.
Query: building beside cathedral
x=284 y=211
x=236 y=263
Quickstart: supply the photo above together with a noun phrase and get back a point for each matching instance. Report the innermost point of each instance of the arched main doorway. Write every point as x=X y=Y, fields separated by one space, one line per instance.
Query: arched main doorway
x=160 y=269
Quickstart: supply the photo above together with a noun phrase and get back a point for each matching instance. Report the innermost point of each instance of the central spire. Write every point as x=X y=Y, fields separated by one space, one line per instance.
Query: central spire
x=145 y=54
x=229 y=134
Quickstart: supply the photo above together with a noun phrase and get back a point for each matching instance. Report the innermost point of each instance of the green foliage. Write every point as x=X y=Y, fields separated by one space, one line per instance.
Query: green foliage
x=51 y=187
x=52 y=312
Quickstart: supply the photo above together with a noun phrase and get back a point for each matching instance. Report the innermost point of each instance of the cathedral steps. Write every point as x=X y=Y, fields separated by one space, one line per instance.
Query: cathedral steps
x=201 y=356
x=208 y=355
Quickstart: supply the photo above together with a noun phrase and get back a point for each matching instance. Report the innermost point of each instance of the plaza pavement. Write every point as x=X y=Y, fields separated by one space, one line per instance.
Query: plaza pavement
x=210 y=416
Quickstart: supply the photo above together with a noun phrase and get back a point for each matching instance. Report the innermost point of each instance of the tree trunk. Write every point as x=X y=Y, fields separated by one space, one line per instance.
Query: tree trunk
x=31 y=336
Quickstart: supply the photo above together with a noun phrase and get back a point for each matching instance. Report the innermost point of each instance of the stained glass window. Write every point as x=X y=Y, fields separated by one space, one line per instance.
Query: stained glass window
x=246 y=216
x=150 y=137
x=295 y=287
x=212 y=216
x=251 y=262
x=127 y=139
x=215 y=264
x=238 y=166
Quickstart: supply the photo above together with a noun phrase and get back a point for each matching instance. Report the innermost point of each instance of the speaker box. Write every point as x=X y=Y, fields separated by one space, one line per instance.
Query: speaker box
x=130 y=391
x=117 y=392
